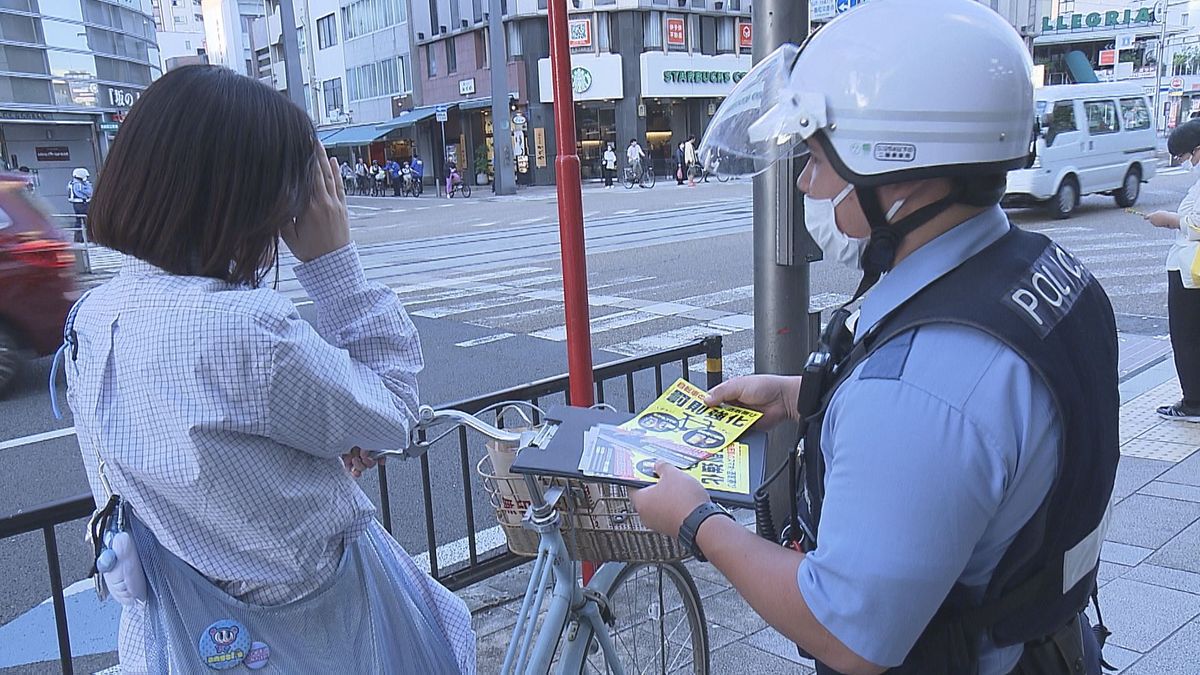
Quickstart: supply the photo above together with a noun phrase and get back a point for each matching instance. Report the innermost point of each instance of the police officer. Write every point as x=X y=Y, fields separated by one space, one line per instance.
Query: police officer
x=79 y=194
x=961 y=428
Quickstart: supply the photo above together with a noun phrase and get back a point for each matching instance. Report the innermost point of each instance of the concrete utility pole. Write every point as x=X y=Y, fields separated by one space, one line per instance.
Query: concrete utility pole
x=781 y=251
x=503 y=168
x=291 y=54
x=1158 y=72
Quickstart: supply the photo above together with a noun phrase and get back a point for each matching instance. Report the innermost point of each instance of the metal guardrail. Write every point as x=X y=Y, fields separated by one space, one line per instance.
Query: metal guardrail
x=479 y=565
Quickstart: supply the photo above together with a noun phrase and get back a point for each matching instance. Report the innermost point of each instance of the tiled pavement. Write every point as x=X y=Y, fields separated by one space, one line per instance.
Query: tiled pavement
x=1150 y=569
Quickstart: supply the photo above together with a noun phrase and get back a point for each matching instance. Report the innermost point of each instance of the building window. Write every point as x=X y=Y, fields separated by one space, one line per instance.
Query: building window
x=331 y=90
x=481 y=49
x=1183 y=20
x=405 y=74
x=451 y=56
x=514 y=39
x=726 y=35
x=327 y=32
x=603 y=37
x=367 y=16
x=430 y=61
x=652 y=27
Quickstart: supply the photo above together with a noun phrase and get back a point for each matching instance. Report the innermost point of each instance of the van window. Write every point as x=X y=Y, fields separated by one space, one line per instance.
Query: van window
x=1135 y=113
x=1102 y=117
x=1063 y=118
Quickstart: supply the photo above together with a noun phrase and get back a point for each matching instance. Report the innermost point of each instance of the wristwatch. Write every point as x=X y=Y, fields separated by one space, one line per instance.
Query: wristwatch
x=691 y=525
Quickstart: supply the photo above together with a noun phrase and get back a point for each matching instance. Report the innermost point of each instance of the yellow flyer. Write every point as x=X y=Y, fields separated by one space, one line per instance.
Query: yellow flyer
x=680 y=416
x=726 y=471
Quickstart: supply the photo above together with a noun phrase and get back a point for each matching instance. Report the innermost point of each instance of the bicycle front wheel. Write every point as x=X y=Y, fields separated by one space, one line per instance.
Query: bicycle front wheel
x=659 y=624
x=466 y=190
x=628 y=179
x=648 y=179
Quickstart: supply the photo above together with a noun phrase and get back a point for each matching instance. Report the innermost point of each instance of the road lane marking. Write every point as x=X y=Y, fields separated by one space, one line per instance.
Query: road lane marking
x=36 y=438
x=484 y=340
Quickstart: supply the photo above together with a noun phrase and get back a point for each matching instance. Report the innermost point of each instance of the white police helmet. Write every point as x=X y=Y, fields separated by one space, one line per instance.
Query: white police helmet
x=894 y=90
x=80 y=173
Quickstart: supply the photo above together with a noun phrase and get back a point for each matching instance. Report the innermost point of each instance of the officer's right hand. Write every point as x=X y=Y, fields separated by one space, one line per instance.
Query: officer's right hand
x=775 y=396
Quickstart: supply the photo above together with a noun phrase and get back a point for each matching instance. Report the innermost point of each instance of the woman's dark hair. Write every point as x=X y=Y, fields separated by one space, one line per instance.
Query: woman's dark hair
x=208 y=167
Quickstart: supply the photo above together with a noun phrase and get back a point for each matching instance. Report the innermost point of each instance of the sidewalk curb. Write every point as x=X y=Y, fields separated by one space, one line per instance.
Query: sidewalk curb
x=1146 y=378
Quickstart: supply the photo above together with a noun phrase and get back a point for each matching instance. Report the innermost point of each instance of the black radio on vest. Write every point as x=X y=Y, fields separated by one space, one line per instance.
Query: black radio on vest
x=1034 y=297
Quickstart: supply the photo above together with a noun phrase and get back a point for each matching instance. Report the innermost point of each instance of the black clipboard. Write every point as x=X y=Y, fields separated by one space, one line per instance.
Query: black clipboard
x=561 y=455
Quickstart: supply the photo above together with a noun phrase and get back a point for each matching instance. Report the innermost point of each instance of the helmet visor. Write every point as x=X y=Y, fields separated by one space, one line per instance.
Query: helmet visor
x=763 y=120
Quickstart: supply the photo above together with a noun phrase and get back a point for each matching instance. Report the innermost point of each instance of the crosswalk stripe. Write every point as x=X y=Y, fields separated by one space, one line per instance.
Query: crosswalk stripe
x=484 y=340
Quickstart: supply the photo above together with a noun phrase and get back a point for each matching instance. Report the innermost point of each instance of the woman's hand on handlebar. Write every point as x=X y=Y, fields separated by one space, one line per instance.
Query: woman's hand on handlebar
x=775 y=396
x=358 y=461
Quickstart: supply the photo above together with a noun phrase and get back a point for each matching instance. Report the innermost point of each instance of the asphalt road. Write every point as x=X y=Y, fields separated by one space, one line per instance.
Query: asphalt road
x=481 y=280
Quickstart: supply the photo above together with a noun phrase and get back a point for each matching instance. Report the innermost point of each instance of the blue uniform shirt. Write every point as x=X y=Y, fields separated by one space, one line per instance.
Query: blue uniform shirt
x=417 y=166
x=930 y=475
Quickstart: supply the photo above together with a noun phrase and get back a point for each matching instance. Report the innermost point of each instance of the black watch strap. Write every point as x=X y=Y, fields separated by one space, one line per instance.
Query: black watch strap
x=691 y=526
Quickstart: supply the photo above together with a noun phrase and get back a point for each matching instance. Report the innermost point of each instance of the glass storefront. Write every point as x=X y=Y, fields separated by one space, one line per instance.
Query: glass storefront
x=595 y=125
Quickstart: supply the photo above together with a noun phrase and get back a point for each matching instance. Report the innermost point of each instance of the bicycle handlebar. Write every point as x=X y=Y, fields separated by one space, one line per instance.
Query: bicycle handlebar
x=427 y=417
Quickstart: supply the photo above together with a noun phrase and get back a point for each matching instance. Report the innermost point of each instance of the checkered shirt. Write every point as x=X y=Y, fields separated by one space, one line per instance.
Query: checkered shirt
x=221 y=416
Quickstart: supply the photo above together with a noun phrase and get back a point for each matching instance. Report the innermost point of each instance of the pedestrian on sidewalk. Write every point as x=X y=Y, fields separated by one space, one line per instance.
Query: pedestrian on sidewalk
x=1183 y=277
x=610 y=166
x=229 y=430
x=689 y=159
x=961 y=434
x=79 y=194
x=680 y=163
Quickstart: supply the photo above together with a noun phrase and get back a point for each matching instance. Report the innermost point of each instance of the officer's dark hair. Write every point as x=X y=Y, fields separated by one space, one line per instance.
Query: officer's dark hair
x=205 y=172
x=1185 y=139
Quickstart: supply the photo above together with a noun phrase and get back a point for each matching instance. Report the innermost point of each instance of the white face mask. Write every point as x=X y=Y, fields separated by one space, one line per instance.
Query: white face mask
x=821 y=222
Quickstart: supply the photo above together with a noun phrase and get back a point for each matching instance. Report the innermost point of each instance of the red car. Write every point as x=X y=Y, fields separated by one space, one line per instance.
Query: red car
x=37 y=279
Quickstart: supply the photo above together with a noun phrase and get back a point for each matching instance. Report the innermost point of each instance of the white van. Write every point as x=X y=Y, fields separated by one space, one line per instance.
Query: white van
x=1092 y=138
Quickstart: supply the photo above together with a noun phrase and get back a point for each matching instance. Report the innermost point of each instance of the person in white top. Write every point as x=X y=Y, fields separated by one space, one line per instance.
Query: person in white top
x=610 y=166
x=634 y=155
x=1183 y=277
x=689 y=159
x=231 y=428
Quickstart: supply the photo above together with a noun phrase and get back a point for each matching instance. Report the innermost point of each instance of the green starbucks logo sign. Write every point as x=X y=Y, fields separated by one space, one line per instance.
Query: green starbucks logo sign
x=581 y=79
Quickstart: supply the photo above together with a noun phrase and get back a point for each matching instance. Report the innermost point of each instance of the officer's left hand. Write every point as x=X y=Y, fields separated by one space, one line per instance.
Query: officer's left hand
x=663 y=506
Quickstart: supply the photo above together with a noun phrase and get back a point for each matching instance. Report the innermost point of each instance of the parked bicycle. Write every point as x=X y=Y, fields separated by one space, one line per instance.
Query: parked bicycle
x=640 y=612
x=631 y=176
x=699 y=172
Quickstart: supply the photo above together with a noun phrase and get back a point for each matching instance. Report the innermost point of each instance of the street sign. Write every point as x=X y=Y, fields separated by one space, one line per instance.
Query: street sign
x=745 y=34
x=1125 y=41
x=846 y=5
x=441 y=113
x=519 y=119
x=1176 y=84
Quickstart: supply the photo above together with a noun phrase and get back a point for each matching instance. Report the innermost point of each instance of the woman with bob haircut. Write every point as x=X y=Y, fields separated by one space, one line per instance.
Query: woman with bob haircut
x=223 y=432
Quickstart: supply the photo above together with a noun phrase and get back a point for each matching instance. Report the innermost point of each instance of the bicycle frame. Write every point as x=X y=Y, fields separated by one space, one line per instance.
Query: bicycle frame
x=568 y=600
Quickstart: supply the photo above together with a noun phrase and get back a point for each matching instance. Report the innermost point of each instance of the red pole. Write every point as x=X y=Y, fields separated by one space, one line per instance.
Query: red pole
x=570 y=213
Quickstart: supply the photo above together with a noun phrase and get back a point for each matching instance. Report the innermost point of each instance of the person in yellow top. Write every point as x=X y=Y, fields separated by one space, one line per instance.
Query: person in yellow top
x=1183 y=277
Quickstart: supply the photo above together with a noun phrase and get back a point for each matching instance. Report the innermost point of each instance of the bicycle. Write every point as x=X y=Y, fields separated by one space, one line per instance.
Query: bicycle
x=411 y=187
x=460 y=187
x=625 y=619
x=630 y=177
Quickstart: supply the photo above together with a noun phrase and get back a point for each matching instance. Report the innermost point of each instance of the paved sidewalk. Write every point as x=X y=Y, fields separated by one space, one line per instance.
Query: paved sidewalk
x=1149 y=574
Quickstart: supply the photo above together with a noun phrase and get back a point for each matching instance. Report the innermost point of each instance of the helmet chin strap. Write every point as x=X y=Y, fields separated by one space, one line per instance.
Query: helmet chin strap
x=886 y=236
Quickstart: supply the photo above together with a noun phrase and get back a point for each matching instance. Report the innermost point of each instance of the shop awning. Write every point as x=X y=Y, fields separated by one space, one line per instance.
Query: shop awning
x=475 y=103
x=360 y=134
x=325 y=134
x=407 y=119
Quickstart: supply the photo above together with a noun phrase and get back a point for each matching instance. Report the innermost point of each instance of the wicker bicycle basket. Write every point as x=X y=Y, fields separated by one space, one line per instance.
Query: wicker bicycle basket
x=598 y=521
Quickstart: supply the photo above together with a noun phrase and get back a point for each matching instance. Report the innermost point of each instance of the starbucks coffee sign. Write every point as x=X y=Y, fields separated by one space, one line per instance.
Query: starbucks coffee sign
x=1093 y=20
x=703 y=76
x=673 y=75
x=594 y=77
